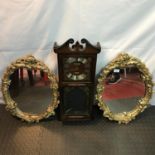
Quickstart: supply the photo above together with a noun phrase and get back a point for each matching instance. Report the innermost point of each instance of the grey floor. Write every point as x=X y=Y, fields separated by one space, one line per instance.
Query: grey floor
x=96 y=137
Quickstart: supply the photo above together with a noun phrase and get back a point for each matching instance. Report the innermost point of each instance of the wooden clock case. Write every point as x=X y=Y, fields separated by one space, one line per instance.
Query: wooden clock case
x=76 y=68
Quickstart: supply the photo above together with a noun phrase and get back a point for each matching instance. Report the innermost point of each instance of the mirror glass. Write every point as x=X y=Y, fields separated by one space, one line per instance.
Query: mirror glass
x=30 y=89
x=123 y=88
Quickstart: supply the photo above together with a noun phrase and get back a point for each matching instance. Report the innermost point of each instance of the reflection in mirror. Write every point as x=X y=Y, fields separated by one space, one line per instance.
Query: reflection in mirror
x=123 y=88
x=30 y=89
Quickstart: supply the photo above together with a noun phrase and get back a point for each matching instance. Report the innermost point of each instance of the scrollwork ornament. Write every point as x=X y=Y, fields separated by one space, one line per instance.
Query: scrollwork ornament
x=29 y=62
x=125 y=60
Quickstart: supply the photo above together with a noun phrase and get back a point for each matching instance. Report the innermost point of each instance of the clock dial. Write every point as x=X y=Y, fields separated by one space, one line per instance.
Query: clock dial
x=77 y=68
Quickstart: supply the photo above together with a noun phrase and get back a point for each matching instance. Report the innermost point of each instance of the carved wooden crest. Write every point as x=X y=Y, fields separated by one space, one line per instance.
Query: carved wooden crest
x=70 y=46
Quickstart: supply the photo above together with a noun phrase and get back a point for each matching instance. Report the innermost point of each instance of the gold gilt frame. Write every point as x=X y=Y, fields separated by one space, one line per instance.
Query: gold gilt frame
x=31 y=63
x=124 y=60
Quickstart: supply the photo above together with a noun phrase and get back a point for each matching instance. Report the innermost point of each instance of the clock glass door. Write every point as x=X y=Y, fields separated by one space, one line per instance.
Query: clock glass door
x=76 y=100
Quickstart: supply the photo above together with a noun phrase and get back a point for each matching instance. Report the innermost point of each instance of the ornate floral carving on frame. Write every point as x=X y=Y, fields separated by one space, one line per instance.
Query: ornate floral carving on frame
x=125 y=60
x=29 y=62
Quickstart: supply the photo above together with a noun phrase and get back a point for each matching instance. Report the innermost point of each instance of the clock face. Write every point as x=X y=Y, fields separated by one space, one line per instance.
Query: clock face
x=77 y=68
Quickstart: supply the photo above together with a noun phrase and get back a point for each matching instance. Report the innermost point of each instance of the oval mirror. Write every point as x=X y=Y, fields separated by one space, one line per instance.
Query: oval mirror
x=124 y=88
x=30 y=89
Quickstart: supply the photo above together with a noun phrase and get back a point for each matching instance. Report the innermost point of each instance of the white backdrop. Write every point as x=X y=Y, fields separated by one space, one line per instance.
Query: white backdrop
x=32 y=26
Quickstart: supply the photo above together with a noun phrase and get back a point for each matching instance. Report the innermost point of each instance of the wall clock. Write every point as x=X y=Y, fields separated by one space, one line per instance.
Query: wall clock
x=76 y=65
